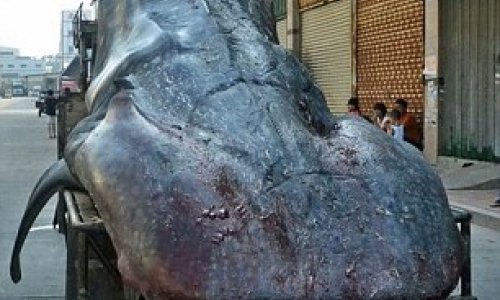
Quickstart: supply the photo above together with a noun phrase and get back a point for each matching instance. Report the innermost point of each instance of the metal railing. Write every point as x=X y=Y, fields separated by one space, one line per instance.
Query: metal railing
x=464 y=218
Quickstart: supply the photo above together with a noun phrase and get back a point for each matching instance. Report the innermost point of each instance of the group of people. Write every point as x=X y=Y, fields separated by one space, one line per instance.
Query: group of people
x=398 y=122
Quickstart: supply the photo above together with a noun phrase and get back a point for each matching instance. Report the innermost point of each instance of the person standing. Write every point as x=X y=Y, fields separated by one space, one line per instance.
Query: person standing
x=392 y=125
x=50 y=103
x=412 y=133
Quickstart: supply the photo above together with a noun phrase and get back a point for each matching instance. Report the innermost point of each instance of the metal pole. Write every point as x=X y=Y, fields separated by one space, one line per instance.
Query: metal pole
x=27 y=86
x=465 y=287
x=63 y=37
x=464 y=218
x=293 y=27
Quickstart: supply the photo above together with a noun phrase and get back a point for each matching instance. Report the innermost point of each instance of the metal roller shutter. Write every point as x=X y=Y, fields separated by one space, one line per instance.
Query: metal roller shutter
x=390 y=53
x=310 y=3
x=326 y=49
x=281 y=30
x=469 y=63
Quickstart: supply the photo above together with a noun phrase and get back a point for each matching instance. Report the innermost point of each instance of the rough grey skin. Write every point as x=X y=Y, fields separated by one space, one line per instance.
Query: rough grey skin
x=220 y=174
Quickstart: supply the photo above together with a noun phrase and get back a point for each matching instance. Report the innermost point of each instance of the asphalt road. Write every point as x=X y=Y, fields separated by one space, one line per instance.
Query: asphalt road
x=25 y=152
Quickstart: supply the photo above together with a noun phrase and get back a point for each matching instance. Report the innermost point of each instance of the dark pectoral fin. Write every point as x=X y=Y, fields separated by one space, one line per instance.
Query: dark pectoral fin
x=57 y=176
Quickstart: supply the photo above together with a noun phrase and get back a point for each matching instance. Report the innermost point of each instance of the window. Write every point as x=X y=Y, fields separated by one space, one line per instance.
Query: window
x=38 y=66
x=10 y=66
x=71 y=49
x=10 y=75
x=23 y=66
x=1 y=66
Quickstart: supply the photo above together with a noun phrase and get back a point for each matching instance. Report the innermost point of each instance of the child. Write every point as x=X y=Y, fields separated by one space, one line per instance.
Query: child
x=379 y=113
x=392 y=125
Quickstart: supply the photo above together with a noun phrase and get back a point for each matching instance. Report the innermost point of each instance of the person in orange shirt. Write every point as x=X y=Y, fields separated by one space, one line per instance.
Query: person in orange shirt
x=412 y=133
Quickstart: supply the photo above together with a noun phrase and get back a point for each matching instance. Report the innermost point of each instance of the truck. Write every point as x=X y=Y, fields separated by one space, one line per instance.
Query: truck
x=18 y=91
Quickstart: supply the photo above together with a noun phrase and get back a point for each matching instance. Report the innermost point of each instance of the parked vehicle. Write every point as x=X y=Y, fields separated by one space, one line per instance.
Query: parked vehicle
x=18 y=91
x=8 y=93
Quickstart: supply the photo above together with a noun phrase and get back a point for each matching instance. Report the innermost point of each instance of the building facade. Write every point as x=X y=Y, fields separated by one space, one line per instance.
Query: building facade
x=443 y=57
x=14 y=66
x=15 y=70
x=372 y=49
x=53 y=63
x=325 y=45
x=390 y=53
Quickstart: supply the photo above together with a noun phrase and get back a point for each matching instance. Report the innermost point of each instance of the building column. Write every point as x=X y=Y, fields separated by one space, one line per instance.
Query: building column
x=431 y=71
x=293 y=27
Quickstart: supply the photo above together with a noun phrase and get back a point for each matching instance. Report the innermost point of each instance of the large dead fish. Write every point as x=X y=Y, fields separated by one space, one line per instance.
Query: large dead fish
x=219 y=172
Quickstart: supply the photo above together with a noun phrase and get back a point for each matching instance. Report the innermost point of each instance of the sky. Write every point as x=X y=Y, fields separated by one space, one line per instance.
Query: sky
x=33 y=26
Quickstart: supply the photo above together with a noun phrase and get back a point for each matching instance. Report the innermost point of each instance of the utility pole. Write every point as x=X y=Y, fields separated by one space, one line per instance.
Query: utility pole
x=293 y=27
x=27 y=86
x=63 y=36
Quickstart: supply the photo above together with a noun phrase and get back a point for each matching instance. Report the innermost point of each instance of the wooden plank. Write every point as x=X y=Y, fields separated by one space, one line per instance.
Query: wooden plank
x=86 y=208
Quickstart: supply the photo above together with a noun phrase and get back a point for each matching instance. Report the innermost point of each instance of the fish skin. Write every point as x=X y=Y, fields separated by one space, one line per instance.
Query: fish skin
x=196 y=109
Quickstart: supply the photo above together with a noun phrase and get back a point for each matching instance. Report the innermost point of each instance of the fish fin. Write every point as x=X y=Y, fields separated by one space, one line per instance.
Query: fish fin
x=56 y=177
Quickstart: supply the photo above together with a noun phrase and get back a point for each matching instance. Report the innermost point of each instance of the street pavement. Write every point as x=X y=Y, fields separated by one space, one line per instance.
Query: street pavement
x=478 y=203
x=26 y=151
x=485 y=262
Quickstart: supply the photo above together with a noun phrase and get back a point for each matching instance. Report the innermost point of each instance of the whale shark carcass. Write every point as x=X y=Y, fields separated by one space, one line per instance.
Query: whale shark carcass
x=219 y=172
